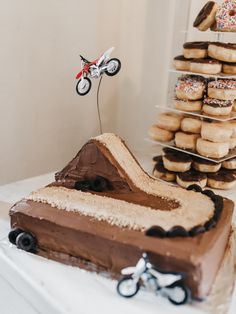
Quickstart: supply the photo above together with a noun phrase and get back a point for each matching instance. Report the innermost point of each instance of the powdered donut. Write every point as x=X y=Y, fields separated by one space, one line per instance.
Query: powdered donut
x=222 y=89
x=211 y=149
x=190 y=87
x=206 y=17
x=226 y=16
x=186 y=140
x=191 y=125
x=169 y=121
x=188 y=105
x=159 y=134
x=216 y=132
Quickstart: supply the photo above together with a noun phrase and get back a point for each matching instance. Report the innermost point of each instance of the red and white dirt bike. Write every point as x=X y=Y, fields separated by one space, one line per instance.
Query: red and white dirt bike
x=95 y=69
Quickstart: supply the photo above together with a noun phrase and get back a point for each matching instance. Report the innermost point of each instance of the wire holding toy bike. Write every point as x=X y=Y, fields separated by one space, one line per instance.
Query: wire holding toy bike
x=98 y=106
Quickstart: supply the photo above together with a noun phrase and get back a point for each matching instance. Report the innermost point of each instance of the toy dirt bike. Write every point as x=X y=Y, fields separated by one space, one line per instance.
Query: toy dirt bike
x=169 y=285
x=95 y=69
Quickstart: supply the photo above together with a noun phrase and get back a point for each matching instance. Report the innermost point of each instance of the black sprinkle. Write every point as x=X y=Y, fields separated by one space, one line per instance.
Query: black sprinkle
x=197 y=230
x=194 y=187
x=177 y=231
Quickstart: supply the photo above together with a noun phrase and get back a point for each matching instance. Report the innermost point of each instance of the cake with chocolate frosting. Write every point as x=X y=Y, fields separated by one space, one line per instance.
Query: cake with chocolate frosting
x=103 y=211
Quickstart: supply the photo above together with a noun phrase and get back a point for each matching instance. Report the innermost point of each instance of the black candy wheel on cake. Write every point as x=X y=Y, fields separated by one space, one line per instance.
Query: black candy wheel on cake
x=23 y=240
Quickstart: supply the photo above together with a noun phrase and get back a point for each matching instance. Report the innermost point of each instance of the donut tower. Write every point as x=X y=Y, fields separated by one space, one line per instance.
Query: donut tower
x=198 y=129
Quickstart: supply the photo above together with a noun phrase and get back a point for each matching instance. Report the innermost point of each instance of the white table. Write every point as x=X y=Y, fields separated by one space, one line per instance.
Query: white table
x=30 y=284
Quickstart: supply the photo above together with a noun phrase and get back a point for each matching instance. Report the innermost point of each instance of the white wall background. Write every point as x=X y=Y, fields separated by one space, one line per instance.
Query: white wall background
x=43 y=122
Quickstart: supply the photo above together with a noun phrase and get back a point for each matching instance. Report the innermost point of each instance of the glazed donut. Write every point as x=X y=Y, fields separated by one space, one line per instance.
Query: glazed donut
x=204 y=165
x=191 y=125
x=222 y=179
x=231 y=125
x=206 y=17
x=216 y=132
x=188 y=178
x=222 y=89
x=181 y=63
x=222 y=51
x=159 y=134
x=232 y=143
x=216 y=107
x=169 y=121
x=177 y=162
x=195 y=49
x=186 y=140
x=229 y=164
x=188 y=105
x=211 y=149
x=160 y=172
x=206 y=66
x=229 y=68
x=226 y=16
x=190 y=87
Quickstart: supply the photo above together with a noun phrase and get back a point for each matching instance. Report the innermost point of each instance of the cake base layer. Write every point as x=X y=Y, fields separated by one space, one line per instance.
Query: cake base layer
x=69 y=237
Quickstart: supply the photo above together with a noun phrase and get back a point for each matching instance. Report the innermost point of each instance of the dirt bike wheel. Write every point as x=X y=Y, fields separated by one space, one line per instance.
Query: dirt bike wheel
x=178 y=294
x=83 y=90
x=124 y=285
x=114 y=68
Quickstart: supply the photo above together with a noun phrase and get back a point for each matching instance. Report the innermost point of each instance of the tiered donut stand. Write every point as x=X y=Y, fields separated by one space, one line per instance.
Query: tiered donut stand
x=203 y=117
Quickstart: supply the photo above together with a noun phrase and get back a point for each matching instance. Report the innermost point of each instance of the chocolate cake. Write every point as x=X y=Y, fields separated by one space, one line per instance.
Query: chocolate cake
x=104 y=211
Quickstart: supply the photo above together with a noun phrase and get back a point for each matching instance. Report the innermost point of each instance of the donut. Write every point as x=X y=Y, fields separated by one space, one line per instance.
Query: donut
x=223 y=179
x=190 y=87
x=181 y=63
x=191 y=125
x=229 y=68
x=159 y=134
x=185 y=179
x=216 y=107
x=226 y=16
x=188 y=105
x=206 y=17
x=195 y=49
x=177 y=162
x=186 y=140
x=160 y=172
x=204 y=165
x=222 y=89
x=216 y=132
x=211 y=149
x=169 y=121
x=229 y=164
x=231 y=125
x=206 y=66
x=222 y=51
x=232 y=143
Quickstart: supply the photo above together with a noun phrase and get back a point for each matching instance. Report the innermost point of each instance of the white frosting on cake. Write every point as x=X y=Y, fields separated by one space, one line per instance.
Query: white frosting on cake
x=122 y=213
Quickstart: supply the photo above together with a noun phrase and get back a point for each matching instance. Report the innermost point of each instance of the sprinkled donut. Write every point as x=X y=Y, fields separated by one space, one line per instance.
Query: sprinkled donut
x=226 y=16
x=190 y=87
x=222 y=89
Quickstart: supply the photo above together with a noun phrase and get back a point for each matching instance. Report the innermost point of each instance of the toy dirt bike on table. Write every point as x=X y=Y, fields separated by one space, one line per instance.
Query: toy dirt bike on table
x=95 y=69
x=169 y=285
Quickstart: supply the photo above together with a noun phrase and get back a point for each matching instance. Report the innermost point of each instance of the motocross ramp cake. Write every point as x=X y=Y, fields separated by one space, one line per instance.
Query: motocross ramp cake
x=103 y=210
